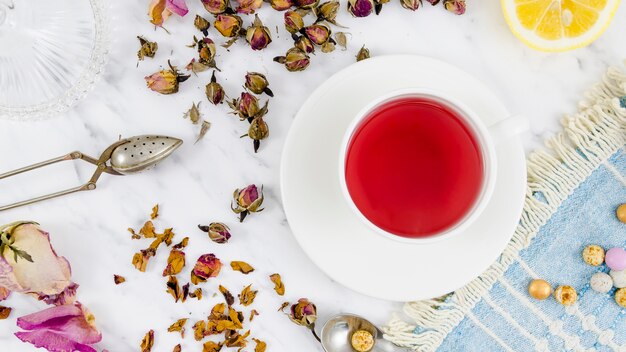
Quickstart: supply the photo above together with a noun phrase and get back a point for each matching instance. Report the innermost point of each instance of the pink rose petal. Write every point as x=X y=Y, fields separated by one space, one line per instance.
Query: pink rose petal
x=178 y=7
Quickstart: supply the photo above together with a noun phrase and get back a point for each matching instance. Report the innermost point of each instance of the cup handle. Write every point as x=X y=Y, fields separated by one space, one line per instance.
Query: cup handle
x=507 y=128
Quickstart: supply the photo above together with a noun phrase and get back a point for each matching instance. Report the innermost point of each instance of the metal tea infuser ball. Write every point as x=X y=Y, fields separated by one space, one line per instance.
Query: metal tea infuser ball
x=124 y=157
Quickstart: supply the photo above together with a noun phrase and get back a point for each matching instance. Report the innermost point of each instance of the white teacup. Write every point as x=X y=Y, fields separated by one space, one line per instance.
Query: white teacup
x=486 y=136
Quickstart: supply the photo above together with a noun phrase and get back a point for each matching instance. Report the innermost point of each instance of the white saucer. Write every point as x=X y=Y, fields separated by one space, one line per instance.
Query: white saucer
x=335 y=238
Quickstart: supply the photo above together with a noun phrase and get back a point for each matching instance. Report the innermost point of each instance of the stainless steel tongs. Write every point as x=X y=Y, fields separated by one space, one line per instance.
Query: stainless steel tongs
x=127 y=156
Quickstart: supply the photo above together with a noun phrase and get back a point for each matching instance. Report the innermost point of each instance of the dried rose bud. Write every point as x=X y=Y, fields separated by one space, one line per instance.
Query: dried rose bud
x=215 y=7
x=307 y=4
x=303 y=313
x=258 y=131
x=317 y=33
x=206 y=51
x=202 y=24
x=457 y=7
x=360 y=8
x=257 y=83
x=247 y=106
x=293 y=21
x=327 y=11
x=207 y=266
x=363 y=54
x=148 y=48
x=412 y=5
x=165 y=81
x=249 y=6
x=257 y=35
x=433 y=2
x=228 y=25
x=281 y=5
x=214 y=91
x=218 y=232
x=294 y=60
x=305 y=44
x=247 y=200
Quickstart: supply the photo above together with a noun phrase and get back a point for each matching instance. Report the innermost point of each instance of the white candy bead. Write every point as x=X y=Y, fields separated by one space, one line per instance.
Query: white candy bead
x=601 y=282
x=619 y=278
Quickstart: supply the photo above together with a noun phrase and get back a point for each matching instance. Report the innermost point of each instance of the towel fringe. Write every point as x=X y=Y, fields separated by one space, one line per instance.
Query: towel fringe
x=590 y=137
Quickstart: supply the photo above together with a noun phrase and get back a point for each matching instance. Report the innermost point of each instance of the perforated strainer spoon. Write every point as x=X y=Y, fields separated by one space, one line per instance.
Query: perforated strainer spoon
x=127 y=156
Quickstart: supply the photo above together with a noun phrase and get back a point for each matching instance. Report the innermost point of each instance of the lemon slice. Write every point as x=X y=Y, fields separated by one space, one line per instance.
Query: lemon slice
x=558 y=25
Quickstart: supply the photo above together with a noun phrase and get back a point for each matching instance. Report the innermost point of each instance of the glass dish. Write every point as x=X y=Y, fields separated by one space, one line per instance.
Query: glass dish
x=51 y=54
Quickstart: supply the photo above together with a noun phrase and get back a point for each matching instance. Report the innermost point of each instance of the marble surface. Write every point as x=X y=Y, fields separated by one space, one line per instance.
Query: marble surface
x=195 y=185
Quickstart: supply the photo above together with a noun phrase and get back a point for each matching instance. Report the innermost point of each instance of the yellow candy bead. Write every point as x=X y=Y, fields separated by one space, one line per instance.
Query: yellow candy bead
x=621 y=213
x=566 y=295
x=620 y=297
x=362 y=341
x=593 y=255
x=539 y=289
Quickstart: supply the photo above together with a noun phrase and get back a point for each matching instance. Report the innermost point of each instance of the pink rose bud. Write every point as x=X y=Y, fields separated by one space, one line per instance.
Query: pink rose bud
x=249 y=6
x=228 y=25
x=303 y=313
x=294 y=60
x=207 y=266
x=457 y=7
x=60 y=329
x=215 y=7
x=293 y=21
x=281 y=5
x=360 y=8
x=218 y=232
x=317 y=33
x=247 y=200
x=257 y=35
x=412 y=5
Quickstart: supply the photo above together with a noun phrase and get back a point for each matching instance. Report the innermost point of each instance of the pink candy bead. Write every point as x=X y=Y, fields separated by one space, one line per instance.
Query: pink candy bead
x=616 y=259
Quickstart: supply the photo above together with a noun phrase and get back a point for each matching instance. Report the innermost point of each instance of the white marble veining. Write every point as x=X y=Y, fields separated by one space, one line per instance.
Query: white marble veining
x=195 y=185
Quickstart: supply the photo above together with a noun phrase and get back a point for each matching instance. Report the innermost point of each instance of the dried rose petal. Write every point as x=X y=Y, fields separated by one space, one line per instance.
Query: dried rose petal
x=279 y=287
x=457 y=7
x=281 y=5
x=4 y=293
x=242 y=267
x=173 y=288
x=248 y=6
x=29 y=264
x=207 y=266
x=118 y=279
x=60 y=329
x=303 y=313
x=5 y=312
x=199 y=330
x=360 y=8
x=175 y=263
x=317 y=33
x=257 y=83
x=228 y=297
x=193 y=113
x=237 y=340
x=197 y=293
x=253 y=313
x=257 y=35
x=228 y=25
x=177 y=348
x=294 y=60
x=182 y=244
x=178 y=326
x=293 y=21
x=158 y=12
x=215 y=7
x=218 y=232
x=260 y=345
x=247 y=296
x=178 y=7
x=211 y=346
x=147 y=342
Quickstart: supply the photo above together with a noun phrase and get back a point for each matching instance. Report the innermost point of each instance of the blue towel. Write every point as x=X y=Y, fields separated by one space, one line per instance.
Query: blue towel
x=575 y=187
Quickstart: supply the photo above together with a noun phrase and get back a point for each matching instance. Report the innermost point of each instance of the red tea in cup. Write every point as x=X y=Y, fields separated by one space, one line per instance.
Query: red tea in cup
x=414 y=167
